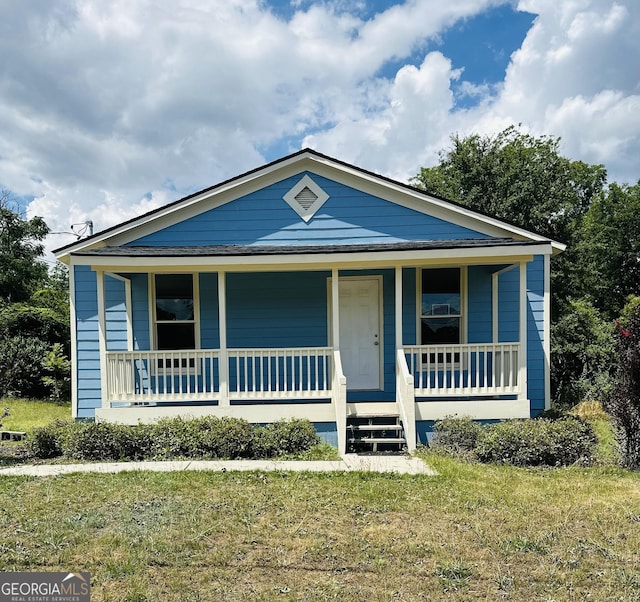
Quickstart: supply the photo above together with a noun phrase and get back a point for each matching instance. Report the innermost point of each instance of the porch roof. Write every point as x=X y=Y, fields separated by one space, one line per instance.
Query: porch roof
x=253 y=250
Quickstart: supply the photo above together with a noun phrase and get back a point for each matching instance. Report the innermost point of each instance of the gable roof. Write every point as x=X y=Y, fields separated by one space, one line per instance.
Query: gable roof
x=304 y=160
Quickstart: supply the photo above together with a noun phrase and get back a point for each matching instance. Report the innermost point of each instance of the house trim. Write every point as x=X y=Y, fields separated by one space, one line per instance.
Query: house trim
x=546 y=343
x=74 y=342
x=315 y=163
x=346 y=260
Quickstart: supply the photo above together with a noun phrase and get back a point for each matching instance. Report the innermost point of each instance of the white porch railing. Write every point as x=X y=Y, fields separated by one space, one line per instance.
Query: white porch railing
x=253 y=374
x=280 y=373
x=157 y=376
x=465 y=370
x=340 y=401
x=405 y=395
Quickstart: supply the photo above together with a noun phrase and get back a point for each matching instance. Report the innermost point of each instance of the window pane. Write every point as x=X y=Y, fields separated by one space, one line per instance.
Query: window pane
x=440 y=330
x=441 y=292
x=176 y=336
x=174 y=297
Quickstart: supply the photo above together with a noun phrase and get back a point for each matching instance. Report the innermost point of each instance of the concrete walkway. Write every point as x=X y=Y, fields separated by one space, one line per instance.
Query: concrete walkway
x=349 y=462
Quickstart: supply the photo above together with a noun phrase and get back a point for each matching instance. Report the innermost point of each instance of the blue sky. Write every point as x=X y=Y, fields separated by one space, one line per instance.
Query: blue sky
x=110 y=109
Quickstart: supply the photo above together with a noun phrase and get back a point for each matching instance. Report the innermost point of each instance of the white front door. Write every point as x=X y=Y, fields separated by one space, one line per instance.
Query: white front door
x=360 y=332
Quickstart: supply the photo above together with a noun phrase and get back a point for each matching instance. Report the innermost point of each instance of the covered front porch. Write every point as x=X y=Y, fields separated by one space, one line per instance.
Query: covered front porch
x=240 y=362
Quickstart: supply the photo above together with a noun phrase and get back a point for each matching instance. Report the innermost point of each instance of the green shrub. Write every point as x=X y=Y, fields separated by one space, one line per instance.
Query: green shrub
x=540 y=442
x=105 y=441
x=21 y=360
x=284 y=437
x=46 y=441
x=456 y=435
x=208 y=437
x=226 y=438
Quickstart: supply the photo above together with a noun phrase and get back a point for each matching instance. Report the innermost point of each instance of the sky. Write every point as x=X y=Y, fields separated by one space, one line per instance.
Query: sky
x=111 y=109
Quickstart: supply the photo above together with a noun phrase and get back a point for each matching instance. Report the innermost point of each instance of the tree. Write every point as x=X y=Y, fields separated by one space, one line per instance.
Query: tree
x=609 y=249
x=582 y=354
x=525 y=181
x=623 y=402
x=21 y=272
x=517 y=178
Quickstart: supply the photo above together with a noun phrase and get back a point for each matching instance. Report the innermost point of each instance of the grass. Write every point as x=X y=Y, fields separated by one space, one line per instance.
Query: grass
x=474 y=532
x=27 y=414
x=607 y=452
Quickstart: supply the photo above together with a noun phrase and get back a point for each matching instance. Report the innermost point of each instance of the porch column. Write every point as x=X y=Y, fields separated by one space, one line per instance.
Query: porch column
x=546 y=343
x=223 y=360
x=335 y=309
x=398 y=307
x=405 y=393
x=522 y=377
x=102 y=340
x=339 y=393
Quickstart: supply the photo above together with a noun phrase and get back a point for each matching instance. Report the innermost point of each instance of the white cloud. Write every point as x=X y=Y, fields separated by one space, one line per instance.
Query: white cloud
x=110 y=109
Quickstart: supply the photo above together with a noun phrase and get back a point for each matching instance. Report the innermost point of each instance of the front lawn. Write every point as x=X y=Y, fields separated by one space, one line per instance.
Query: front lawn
x=27 y=414
x=473 y=533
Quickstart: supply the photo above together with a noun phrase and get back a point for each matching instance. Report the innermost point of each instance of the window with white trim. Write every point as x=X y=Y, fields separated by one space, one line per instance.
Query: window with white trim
x=440 y=306
x=174 y=315
x=441 y=313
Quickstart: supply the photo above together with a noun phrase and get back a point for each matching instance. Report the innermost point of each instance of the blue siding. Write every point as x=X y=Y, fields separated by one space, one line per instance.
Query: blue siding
x=409 y=311
x=328 y=431
x=115 y=313
x=88 y=352
x=509 y=306
x=277 y=309
x=348 y=216
x=209 y=330
x=140 y=311
x=535 y=333
x=479 y=321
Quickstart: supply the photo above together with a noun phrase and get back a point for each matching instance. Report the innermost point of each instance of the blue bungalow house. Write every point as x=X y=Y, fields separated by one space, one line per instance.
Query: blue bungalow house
x=311 y=288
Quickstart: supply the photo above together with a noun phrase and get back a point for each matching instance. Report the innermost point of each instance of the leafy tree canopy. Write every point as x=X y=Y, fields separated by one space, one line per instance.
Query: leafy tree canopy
x=20 y=248
x=518 y=178
x=609 y=249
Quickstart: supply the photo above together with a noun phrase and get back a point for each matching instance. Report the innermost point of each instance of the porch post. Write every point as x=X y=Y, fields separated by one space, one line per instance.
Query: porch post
x=335 y=309
x=102 y=340
x=398 y=307
x=546 y=343
x=405 y=393
x=494 y=307
x=522 y=377
x=339 y=394
x=223 y=360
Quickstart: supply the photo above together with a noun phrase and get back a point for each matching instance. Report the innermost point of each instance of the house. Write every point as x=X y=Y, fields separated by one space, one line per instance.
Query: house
x=311 y=288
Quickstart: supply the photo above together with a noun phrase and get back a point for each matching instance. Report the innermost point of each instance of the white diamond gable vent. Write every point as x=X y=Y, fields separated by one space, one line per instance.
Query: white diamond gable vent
x=305 y=198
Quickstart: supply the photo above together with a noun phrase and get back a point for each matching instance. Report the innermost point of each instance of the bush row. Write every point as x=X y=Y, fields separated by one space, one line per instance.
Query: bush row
x=537 y=442
x=202 y=438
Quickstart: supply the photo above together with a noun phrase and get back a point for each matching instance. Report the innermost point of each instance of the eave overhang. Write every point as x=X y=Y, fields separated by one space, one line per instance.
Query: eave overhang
x=261 y=258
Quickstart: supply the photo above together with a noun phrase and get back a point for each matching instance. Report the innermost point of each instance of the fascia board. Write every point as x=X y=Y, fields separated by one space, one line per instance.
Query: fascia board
x=312 y=261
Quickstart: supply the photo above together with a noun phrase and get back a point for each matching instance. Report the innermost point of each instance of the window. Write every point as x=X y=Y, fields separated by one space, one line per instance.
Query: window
x=175 y=323
x=441 y=309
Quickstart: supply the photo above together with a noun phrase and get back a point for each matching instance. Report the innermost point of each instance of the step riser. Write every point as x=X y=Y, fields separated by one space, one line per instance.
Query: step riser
x=374 y=433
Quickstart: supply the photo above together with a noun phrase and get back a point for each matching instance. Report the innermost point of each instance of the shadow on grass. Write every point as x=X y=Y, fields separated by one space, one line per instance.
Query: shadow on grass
x=12 y=454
